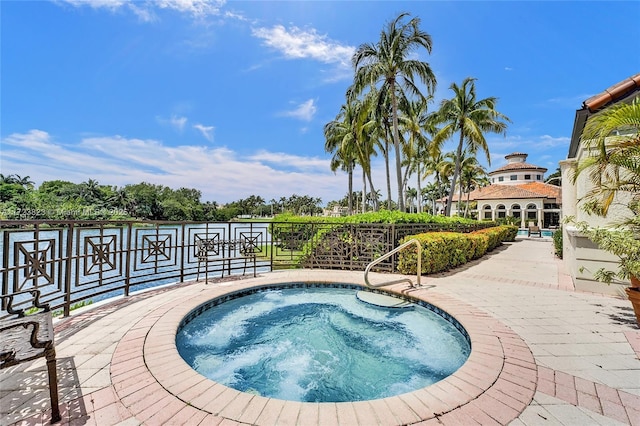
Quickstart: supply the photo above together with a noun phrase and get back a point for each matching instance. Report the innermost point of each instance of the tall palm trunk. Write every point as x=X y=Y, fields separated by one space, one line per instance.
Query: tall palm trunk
x=386 y=163
x=405 y=179
x=387 y=131
x=466 y=208
x=438 y=192
x=350 y=196
x=396 y=145
x=456 y=172
x=419 y=189
x=364 y=191
x=372 y=191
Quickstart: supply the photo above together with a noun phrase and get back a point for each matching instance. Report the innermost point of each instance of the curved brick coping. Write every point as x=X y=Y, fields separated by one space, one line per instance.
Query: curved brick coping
x=197 y=311
x=494 y=386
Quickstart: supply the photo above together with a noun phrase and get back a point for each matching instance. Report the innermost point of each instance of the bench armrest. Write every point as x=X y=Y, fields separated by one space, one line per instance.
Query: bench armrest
x=20 y=312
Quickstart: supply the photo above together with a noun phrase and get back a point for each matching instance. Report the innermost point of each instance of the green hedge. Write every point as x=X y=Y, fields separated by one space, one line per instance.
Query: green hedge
x=294 y=231
x=557 y=242
x=442 y=251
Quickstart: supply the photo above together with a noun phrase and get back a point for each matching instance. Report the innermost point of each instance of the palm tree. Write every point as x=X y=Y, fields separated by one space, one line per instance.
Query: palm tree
x=613 y=137
x=122 y=199
x=415 y=121
x=554 y=178
x=387 y=63
x=469 y=117
x=411 y=193
x=352 y=132
x=24 y=181
x=381 y=115
x=435 y=164
x=340 y=141
x=90 y=190
x=430 y=194
x=17 y=179
x=472 y=175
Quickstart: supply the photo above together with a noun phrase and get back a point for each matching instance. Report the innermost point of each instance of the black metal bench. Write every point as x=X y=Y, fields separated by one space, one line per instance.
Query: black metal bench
x=27 y=337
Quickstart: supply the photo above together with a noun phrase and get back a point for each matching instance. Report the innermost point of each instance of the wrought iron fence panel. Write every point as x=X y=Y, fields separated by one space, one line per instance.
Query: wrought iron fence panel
x=34 y=258
x=74 y=261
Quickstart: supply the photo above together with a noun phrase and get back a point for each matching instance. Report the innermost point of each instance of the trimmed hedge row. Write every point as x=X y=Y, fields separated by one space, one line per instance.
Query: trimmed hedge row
x=442 y=251
x=293 y=231
x=382 y=216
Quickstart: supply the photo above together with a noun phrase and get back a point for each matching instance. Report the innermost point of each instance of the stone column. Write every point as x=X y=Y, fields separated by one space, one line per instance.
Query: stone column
x=540 y=213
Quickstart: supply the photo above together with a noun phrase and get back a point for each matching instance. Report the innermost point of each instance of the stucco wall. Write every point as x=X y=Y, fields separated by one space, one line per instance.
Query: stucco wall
x=581 y=256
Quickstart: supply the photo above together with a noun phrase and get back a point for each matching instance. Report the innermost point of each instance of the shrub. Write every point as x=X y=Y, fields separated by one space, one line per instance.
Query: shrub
x=498 y=234
x=442 y=251
x=304 y=232
x=557 y=242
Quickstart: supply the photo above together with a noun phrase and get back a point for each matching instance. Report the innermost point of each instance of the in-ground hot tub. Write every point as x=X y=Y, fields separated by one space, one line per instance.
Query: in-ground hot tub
x=314 y=342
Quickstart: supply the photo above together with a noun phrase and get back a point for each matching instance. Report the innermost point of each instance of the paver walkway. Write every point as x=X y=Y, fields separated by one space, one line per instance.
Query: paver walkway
x=548 y=355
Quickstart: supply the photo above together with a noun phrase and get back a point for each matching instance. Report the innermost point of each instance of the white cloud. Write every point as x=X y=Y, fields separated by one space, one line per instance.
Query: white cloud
x=174 y=121
x=220 y=173
x=98 y=4
x=508 y=69
x=144 y=9
x=296 y=43
x=197 y=8
x=288 y=160
x=144 y=14
x=207 y=131
x=550 y=141
x=178 y=122
x=305 y=111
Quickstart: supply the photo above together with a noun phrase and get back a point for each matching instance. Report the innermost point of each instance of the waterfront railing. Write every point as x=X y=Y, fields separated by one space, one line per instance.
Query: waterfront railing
x=74 y=262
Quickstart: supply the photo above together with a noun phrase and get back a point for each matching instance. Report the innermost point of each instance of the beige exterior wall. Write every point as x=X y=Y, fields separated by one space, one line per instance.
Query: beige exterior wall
x=582 y=257
x=534 y=176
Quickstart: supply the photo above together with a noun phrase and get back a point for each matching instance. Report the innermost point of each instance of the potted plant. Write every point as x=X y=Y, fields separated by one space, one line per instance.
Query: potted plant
x=612 y=137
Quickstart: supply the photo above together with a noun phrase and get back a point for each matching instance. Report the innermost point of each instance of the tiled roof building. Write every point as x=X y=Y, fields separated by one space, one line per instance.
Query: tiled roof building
x=517 y=190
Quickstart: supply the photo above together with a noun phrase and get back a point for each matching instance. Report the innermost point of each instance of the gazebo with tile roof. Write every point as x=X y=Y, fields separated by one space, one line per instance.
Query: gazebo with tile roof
x=517 y=190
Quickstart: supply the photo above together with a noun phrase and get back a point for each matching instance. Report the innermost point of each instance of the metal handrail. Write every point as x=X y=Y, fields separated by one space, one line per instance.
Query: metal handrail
x=391 y=253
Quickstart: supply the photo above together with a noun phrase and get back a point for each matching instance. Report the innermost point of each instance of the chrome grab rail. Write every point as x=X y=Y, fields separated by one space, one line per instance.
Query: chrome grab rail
x=391 y=253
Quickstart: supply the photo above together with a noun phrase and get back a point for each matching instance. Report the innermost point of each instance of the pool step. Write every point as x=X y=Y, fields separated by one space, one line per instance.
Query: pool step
x=381 y=300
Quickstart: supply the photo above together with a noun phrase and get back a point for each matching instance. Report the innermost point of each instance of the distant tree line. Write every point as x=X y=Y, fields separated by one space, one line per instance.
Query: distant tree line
x=60 y=199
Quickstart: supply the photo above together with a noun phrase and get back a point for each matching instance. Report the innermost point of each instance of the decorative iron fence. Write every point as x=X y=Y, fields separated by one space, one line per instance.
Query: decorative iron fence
x=76 y=261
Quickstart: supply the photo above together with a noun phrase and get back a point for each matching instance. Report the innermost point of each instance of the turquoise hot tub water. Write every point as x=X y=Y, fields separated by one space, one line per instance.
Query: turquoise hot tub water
x=320 y=344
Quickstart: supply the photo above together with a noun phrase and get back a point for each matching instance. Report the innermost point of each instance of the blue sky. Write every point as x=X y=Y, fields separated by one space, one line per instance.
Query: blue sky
x=231 y=98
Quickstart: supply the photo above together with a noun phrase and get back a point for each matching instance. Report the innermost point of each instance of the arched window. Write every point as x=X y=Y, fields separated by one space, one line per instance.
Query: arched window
x=532 y=212
x=502 y=211
x=516 y=211
x=487 y=212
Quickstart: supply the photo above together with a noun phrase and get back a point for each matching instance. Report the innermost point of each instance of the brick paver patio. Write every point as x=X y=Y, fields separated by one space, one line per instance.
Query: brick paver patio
x=541 y=354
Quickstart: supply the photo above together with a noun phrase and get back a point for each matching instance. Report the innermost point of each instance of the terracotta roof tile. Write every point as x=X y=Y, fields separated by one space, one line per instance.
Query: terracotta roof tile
x=526 y=190
x=551 y=191
x=613 y=93
x=517 y=166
